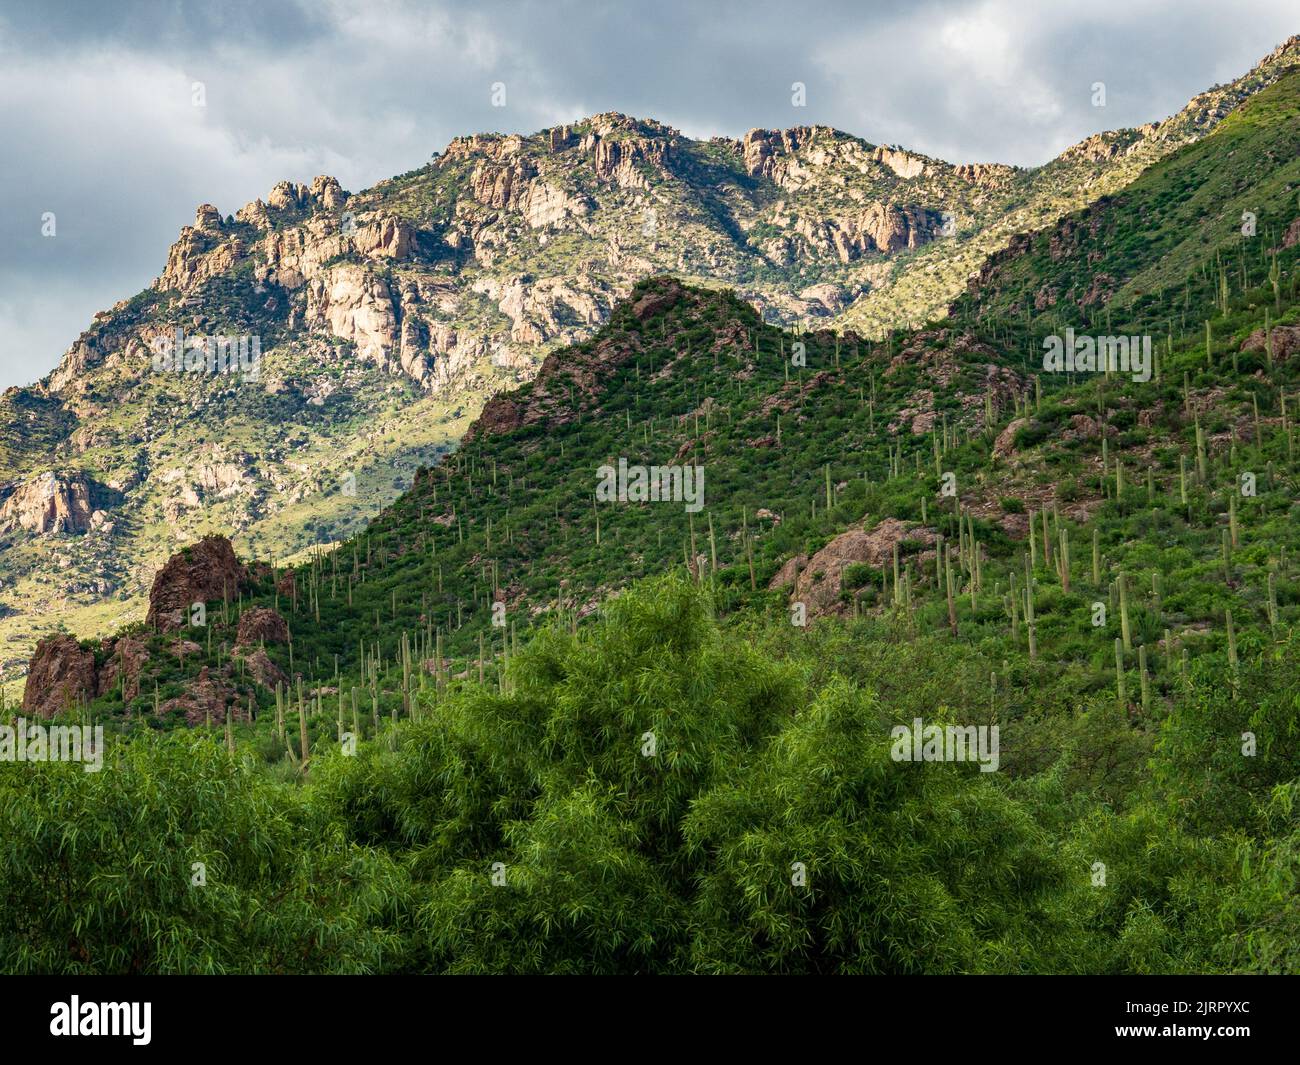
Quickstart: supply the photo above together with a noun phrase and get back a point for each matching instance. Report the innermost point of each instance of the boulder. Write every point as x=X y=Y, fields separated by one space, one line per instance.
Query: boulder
x=1286 y=341
x=206 y=699
x=261 y=625
x=1005 y=445
x=261 y=668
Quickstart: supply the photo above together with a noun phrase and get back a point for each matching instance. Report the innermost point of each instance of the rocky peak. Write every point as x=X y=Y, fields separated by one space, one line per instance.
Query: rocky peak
x=491 y=146
x=286 y=196
x=984 y=174
x=1287 y=52
x=619 y=161
x=609 y=123
x=761 y=149
x=60 y=675
x=324 y=192
x=327 y=192
x=558 y=138
x=203 y=572
x=207 y=219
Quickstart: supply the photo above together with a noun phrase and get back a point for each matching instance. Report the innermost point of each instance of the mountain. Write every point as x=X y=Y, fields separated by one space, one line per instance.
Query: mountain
x=530 y=719
x=387 y=318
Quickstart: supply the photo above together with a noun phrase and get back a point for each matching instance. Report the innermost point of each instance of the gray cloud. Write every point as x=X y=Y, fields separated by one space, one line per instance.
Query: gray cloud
x=99 y=126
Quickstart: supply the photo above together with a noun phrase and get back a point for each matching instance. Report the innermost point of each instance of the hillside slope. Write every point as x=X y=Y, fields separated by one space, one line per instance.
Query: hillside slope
x=388 y=317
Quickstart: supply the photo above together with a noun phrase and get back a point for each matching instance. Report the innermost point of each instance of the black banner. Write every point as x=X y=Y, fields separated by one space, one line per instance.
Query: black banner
x=84 y=1016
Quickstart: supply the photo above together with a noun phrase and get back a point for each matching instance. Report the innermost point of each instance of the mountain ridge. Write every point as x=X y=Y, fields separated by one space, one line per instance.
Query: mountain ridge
x=452 y=283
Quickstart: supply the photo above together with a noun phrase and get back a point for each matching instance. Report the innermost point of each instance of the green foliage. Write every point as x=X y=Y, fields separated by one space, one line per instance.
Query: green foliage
x=98 y=870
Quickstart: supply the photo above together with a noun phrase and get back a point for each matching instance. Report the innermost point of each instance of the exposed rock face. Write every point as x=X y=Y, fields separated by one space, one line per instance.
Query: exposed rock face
x=384 y=237
x=501 y=414
x=762 y=150
x=284 y=196
x=208 y=570
x=356 y=306
x=901 y=163
x=327 y=192
x=559 y=138
x=124 y=663
x=658 y=301
x=1291 y=236
x=261 y=625
x=206 y=698
x=324 y=192
x=1286 y=341
x=206 y=249
x=48 y=503
x=60 y=675
x=831 y=297
x=1098 y=147
x=621 y=146
x=985 y=174
x=199 y=253
x=788 y=572
x=502 y=186
x=261 y=668
x=821 y=577
x=548 y=307
x=562 y=387
x=1005 y=445
x=207 y=219
x=880 y=227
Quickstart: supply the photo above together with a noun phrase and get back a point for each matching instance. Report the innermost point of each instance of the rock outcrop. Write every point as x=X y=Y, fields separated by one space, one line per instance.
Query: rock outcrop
x=127 y=656
x=206 y=699
x=61 y=674
x=820 y=579
x=1285 y=338
x=356 y=306
x=260 y=667
x=200 y=573
x=200 y=253
x=48 y=503
x=568 y=382
x=261 y=625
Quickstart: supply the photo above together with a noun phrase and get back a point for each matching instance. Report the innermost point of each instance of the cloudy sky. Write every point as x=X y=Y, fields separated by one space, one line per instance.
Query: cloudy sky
x=99 y=125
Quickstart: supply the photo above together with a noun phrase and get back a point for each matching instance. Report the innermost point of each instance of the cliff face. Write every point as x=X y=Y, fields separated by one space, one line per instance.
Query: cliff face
x=47 y=503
